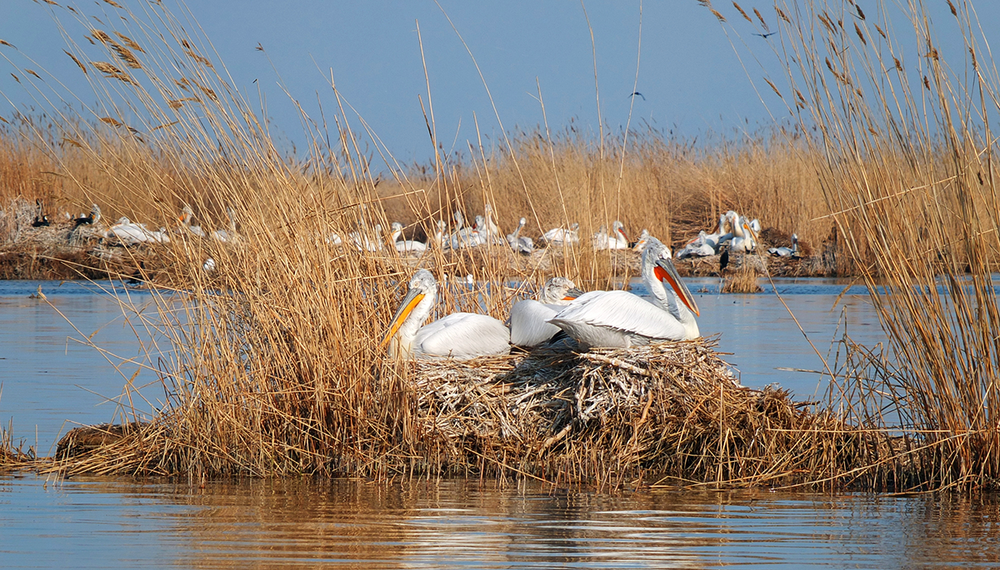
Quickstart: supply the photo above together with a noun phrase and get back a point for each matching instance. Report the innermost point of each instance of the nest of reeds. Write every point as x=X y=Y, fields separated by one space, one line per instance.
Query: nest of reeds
x=671 y=411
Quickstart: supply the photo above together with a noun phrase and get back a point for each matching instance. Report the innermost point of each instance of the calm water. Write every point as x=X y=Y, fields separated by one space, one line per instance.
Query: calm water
x=49 y=379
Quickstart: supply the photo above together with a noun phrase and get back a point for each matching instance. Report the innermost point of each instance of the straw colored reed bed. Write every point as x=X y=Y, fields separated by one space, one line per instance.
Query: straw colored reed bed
x=670 y=413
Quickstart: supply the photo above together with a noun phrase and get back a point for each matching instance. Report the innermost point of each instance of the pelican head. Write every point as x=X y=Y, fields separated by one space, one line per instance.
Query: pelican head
x=480 y=222
x=397 y=227
x=95 y=214
x=412 y=312
x=618 y=227
x=640 y=244
x=186 y=214
x=559 y=291
x=658 y=272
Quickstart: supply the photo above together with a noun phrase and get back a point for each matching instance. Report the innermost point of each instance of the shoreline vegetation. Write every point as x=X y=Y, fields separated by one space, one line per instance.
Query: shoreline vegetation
x=269 y=355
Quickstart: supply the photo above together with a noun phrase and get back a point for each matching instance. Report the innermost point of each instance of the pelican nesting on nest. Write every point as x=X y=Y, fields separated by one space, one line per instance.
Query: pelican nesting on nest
x=529 y=324
x=520 y=244
x=406 y=246
x=458 y=335
x=616 y=240
x=621 y=319
x=560 y=236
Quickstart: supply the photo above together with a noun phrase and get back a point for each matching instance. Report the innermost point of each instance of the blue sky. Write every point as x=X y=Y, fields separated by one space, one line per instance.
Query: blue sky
x=691 y=77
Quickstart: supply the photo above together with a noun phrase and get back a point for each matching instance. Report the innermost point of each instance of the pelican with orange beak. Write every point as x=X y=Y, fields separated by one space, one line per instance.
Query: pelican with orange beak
x=458 y=335
x=622 y=319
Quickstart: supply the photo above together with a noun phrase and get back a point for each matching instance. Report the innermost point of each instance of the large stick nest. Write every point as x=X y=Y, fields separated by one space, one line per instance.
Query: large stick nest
x=672 y=409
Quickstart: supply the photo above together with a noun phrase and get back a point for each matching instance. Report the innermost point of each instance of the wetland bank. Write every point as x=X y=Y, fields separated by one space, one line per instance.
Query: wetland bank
x=274 y=367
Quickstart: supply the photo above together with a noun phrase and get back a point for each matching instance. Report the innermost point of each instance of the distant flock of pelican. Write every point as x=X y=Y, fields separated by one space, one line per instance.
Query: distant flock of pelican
x=483 y=232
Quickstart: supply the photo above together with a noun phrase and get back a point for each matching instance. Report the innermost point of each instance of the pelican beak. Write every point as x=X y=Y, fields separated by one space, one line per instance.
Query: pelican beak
x=572 y=294
x=413 y=297
x=667 y=274
x=624 y=235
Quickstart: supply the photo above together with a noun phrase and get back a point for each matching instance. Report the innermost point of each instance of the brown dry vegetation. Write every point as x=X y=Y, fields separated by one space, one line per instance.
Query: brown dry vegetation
x=271 y=365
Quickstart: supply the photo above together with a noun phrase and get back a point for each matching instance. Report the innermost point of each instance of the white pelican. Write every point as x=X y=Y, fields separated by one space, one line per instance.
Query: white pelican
x=745 y=237
x=130 y=233
x=621 y=319
x=458 y=335
x=560 y=236
x=406 y=247
x=439 y=240
x=528 y=318
x=186 y=214
x=230 y=235
x=520 y=244
x=787 y=251
x=617 y=240
x=464 y=236
x=707 y=244
x=363 y=242
x=640 y=244
x=488 y=230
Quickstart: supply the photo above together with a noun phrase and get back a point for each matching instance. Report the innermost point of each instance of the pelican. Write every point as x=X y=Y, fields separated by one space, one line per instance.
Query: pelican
x=186 y=214
x=745 y=236
x=458 y=335
x=464 y=236
x=560 y=236
x=617 y=240
x=488 y=230
x=621 y=319
x=640 y=244
x=130 y=233
x=520 y=244
x=363 y=242
x=528 y=318
x=787 y=251
x=406 y=247
x=707 y=244
x=230 y=235
x=439 y=238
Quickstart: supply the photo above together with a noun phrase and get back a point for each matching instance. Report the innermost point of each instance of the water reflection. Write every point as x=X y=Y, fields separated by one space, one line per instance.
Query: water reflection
x=464 y=524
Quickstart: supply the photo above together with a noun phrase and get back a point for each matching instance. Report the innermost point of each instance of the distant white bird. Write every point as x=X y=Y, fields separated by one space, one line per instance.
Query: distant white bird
x=464 y=236
x=439 y=236
x=528 y=318
x=707 y=244
x=130 y=233
x=640 y=244
x=560 y=236
x=406 y=247
x=520 y=244
x=786 y=251
x=186 y=214
x=744 y=236
x=489 y=232
x=621 y=319
x=364 y=242
x=230 y=235
x=616 y=240
x=458 y=335
x=209 y=265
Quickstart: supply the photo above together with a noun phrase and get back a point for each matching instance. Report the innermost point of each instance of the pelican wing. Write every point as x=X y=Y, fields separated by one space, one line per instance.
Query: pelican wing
x=616 y=313
x=528 y=323
x=462 y=335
